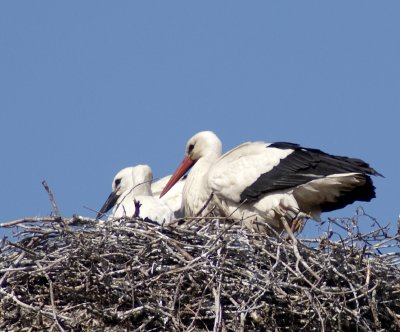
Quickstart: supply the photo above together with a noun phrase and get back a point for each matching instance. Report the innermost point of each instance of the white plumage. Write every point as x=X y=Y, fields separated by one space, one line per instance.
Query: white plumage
x=262 y=182
x=132 y=196
x=172 y=198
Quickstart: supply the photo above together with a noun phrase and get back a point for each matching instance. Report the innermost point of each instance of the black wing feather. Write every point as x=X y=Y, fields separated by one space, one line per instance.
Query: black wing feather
x=301 y=166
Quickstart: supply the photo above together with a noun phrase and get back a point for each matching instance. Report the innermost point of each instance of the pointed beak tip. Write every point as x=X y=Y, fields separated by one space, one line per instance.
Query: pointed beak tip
x=186 y=164
x=168 y=186
x=109 y=203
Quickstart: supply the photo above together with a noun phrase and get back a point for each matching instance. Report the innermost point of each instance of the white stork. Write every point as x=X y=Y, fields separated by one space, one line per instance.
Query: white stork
x=173 y=198
x=262 y=182
x=132 y=196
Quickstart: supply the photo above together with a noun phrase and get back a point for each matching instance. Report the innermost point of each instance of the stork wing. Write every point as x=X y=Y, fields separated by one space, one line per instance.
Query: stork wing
x=256 y=169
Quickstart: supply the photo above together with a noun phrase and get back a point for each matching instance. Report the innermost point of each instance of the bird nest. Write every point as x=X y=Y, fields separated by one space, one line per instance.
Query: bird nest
x=79 y=274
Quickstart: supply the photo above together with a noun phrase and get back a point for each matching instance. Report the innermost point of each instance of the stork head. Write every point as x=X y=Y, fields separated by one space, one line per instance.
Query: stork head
x=204 y=144
x=128 y=180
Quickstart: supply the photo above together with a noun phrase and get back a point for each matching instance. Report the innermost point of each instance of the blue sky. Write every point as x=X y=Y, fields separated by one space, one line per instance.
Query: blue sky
x=90 y=87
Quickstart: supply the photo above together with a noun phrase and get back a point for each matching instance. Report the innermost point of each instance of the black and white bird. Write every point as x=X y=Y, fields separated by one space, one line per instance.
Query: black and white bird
x=132 y=196
x=260 y=182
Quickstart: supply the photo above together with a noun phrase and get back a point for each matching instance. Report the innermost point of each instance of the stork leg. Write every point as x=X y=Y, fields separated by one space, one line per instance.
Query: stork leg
x=293 y=217
x=297 y=225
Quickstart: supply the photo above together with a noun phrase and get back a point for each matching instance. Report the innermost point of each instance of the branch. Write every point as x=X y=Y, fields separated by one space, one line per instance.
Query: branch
x=52 y=200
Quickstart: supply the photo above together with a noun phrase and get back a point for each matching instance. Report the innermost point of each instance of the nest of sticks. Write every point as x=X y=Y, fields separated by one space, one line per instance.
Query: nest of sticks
x=64 y=274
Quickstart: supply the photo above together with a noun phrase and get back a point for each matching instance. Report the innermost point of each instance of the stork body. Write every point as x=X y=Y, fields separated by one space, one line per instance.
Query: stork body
x=260 y=182
x=132 y=196
x=172 y=198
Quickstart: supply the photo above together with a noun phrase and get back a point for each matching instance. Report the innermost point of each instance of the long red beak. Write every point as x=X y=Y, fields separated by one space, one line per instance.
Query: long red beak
x=185 y=165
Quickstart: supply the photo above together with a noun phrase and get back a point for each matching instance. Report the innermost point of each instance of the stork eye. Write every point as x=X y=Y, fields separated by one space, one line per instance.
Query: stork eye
x=190 y=148
x=117 y=182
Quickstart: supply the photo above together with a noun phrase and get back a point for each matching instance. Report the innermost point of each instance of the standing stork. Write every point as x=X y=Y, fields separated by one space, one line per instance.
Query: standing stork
x=260 y=182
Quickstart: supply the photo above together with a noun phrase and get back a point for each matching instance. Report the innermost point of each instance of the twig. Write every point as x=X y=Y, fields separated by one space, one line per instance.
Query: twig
x=52 y=200
x=55 y=316
x=15 y=263
x=296 y=250
x=26 y=220
x=30 y=307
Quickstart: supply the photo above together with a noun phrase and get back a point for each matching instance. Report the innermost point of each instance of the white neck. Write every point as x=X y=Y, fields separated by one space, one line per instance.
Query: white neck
x=196 y=190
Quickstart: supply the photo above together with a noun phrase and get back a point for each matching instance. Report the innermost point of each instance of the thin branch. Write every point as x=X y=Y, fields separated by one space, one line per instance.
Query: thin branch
x=56 y=211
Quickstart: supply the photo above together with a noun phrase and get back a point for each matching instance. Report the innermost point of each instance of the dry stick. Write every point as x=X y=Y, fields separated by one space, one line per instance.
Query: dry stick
x=396 y=317
x=372 y=300
x=294 y=272
x=226 y=218
x=15 y=263
x=317 y=309
x=52 y=200
x=18 y=222
x=22 y=248
x=49 y=266
x=353 y=289
x=30 y=307
x=15 y=269
x=176 y=294
x=217 y=295
x=296 y=250
x=174 y=244
x=25 y=220
x=7 y=273
x=198 y=214
x=217 y=304
x=380 y=244
x=374 y=309
x=55 y=317
x=181 y=258
x=200 y=303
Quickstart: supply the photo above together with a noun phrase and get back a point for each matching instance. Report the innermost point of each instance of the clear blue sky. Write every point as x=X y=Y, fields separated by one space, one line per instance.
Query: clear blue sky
x=90 y=87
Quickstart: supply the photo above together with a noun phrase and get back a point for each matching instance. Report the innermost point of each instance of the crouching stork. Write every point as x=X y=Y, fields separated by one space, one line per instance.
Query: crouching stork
x=132 y=197
x=261 y=183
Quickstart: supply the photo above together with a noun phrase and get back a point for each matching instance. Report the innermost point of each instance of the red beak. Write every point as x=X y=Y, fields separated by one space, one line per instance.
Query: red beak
x=185 y=165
